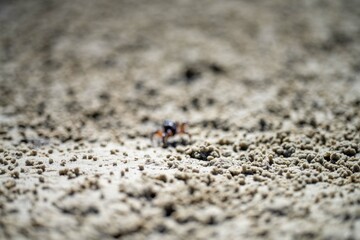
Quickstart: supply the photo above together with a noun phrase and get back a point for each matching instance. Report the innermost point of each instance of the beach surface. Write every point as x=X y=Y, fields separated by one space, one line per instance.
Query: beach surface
x=270 y=91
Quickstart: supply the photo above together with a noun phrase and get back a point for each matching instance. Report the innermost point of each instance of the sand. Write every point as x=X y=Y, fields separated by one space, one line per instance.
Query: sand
x=270 y=89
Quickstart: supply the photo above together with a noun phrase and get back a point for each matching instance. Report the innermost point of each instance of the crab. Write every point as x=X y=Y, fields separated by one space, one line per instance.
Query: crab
x=169 y=129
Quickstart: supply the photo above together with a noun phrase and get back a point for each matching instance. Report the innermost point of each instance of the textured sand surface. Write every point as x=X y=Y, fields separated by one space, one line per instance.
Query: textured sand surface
x=271 y=91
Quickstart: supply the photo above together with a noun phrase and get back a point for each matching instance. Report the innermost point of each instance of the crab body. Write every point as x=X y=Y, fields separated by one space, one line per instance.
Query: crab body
x=170 y=128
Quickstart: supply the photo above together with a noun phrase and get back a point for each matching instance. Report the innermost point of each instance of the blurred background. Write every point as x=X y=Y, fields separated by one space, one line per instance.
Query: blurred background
x=171 y=59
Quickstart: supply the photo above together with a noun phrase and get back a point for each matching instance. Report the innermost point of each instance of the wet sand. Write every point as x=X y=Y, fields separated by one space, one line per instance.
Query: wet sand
x=271 y=91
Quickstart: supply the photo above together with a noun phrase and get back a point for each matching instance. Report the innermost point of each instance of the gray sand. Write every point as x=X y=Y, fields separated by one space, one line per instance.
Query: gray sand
x=270 y=89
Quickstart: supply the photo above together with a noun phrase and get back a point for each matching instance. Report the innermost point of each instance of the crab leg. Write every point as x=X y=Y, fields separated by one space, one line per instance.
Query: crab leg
x=157 y=133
